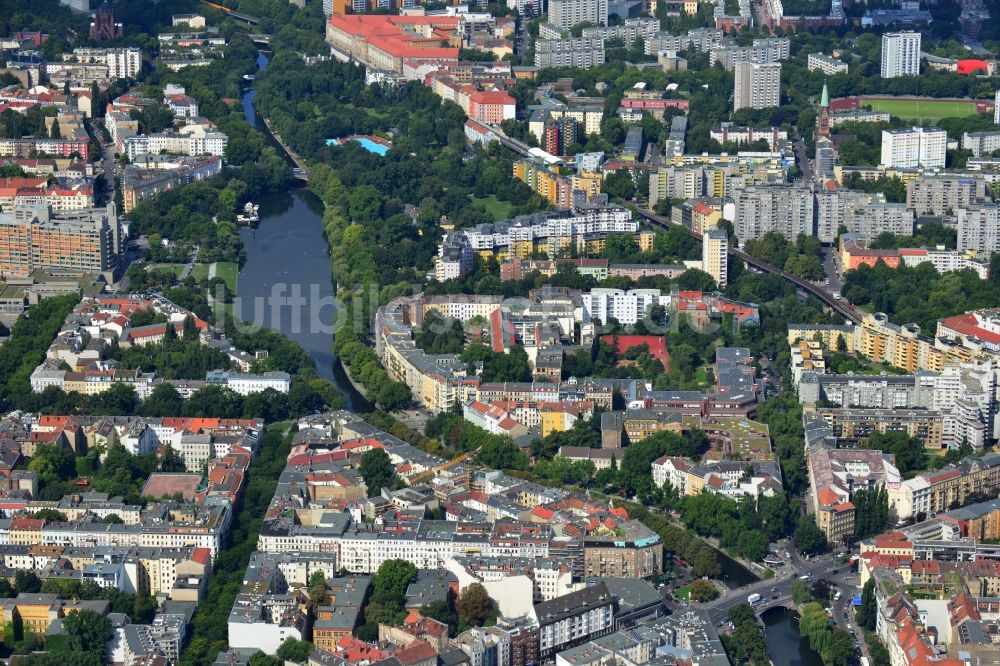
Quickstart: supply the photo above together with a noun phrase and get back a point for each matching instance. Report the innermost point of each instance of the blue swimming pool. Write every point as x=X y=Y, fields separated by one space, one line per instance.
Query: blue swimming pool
x=371 y=146
x=366 y=143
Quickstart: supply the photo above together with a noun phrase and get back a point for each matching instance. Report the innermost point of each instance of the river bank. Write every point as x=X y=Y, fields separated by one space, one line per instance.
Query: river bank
x=287 y=257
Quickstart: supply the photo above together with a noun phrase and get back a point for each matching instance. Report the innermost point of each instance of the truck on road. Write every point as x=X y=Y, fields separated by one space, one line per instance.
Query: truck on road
x=753 y=598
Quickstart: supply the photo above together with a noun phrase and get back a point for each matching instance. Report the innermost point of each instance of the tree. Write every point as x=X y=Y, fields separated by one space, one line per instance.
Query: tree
x=112 y=519
x=703 y=590
x=503 y=453
x=441 y=611
x=172 y=461
x=619 y=185
x=474 y=606
x=809 y=538
x=261 y=659
x=393 y=577
x=89 y=632
x=871 y=510
x=52 y=463
x=190 y=329
x=377 y=471
x=317 y=588
x=27 y=581
x=703 y=560
x=800 y=592
x=294 y=650
x=50 y=515
x=163 y=401
x=869 y=607
x=909 y=451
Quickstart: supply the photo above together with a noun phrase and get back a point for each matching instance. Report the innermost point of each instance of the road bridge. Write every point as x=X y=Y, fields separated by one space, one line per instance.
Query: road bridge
x=239 y=16
x=765 y=605
x=839 y=307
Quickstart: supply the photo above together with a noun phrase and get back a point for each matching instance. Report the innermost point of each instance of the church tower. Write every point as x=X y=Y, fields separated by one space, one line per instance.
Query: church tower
x=823 y=119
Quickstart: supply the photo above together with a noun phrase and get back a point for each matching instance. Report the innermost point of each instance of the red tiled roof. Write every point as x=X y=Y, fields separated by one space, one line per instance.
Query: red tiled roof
x=416 y=653
x=966 y=324
x=491 y=97
x=827 y=497
x=388 y=34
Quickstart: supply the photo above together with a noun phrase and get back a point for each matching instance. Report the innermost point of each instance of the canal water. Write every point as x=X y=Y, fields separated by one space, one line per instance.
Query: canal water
x=287 y=251
x=785 y=646
x=734 y=574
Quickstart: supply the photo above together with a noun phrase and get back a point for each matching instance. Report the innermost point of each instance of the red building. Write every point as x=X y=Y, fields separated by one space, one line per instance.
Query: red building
x=972 y=66
x=491 y=106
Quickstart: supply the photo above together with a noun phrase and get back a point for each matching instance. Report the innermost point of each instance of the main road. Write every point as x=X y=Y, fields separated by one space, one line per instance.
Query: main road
x=777 y=591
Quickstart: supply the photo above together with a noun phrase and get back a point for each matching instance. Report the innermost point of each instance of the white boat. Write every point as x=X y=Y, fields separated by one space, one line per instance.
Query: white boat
x=250 y=214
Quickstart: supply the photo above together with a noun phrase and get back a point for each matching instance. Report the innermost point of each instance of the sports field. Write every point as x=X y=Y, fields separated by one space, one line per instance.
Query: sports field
x=922 y=109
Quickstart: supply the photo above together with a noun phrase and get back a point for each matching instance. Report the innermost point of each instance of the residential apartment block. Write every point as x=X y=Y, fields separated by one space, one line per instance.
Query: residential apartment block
x=900 y=54
x=567 y=13
x=757 y=86
x=32 y=237
x=914 y=147
x=943 y=195
x=826 y=64
x=582 y=52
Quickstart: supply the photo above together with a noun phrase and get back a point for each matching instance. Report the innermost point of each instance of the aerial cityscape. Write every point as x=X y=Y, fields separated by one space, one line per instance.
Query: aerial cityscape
x=500 y=333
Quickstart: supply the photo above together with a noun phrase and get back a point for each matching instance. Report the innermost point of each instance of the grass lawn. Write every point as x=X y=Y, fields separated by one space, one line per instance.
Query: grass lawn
x=683 y=593
x=500 y=210
x=200 y=272
x=923 y=109
x=166 y=268
x=228 y=271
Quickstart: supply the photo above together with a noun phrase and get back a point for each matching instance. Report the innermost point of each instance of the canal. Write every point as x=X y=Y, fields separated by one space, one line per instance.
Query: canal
x=734 y=574
x=785 y=645
x=287 y=252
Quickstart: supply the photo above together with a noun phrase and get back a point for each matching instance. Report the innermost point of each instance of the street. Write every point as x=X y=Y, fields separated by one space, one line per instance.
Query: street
x=802 y=157
x=831 y=266
x=820 y=567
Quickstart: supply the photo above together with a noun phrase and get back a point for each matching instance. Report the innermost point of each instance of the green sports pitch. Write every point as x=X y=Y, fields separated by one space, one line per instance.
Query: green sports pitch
x=923 y=109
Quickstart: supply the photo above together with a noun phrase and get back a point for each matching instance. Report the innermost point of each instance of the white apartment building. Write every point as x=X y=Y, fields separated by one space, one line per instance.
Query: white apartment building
x=124 y=63
x=979 y=229
x=191 y=143
x=824 y=63
x=900 y=54
x=583 y=53
x=981 y=144
x=945 y=261
x=672 y=470
x=567 y=13
x=728 y=133
x=996 y=109
x=627 y=307
x=245 y=384
x=715 y=255
x=121 y=63
x=454 y=258
x=757 y=86
x=914 y=147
